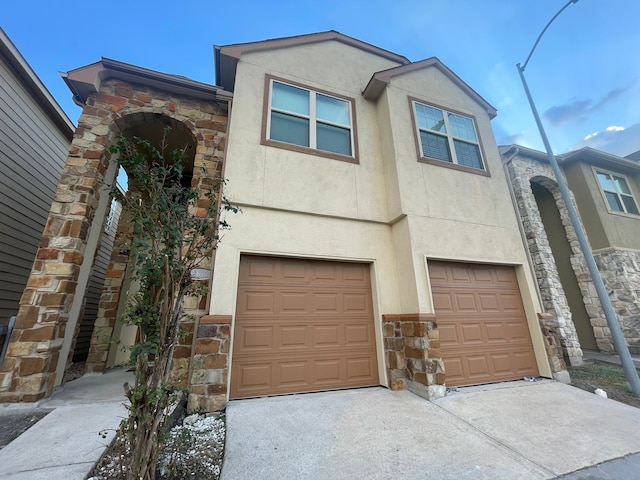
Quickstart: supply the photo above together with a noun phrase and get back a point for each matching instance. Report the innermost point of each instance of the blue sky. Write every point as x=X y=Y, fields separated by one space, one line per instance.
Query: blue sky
x=584 y=76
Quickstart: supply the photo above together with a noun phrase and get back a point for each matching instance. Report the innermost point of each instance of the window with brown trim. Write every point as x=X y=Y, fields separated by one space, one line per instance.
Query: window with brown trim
x=302 y=119
x=617 y=192
x=448 y=137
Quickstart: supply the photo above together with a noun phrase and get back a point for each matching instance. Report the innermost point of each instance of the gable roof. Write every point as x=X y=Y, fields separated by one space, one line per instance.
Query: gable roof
x=226 y=57
x=381 y=79
x=84 y=81
x=35 y=86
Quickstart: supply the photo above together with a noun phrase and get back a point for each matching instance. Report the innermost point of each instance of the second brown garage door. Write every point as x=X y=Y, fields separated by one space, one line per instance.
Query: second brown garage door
x=484 y=335
x=302 y=325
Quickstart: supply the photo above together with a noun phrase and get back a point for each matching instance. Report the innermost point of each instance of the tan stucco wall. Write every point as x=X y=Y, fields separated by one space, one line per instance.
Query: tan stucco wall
x=605 y=229
x=389 y=209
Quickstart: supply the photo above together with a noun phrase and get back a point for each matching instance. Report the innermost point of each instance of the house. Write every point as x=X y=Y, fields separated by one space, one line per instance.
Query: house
x=377 y=245
x=34 y=137
x=606 y=191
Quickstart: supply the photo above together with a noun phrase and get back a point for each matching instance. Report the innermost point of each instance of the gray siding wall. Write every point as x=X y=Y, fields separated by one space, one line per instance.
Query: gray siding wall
x=32 y=153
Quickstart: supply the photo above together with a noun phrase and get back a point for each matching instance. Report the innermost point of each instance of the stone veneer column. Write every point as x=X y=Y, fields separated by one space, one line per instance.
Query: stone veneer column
x=28 y=371
x=620 y=270
x=412 y=354
x=210 y=364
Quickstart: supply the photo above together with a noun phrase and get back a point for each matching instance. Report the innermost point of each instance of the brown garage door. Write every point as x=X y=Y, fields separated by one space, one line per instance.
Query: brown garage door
x=302 y=325
x=484 y=335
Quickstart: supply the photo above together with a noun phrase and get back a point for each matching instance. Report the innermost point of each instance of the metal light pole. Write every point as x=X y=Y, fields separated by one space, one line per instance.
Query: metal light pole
x=610 y=314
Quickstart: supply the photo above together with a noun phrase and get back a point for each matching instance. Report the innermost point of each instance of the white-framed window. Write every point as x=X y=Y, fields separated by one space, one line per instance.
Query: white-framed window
x=615 y=188
x=447 y=136
x=307 y=118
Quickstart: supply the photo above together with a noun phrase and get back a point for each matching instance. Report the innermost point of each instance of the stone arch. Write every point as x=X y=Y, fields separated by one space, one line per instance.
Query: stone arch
x=522 y=172
x=44 y=331
x=563 y=245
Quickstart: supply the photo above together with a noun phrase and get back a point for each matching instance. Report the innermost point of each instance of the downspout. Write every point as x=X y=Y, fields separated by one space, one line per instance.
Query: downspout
x=505 y=162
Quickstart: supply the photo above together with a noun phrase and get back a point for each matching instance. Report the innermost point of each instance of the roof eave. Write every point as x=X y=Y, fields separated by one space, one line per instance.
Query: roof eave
x=85 y=81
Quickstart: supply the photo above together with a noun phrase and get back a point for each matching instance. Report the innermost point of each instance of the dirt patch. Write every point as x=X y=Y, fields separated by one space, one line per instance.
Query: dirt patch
x=13 y=422
x=610 y=378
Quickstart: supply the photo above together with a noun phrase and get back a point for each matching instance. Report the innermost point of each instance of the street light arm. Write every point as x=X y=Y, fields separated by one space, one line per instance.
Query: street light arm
x=542 y=33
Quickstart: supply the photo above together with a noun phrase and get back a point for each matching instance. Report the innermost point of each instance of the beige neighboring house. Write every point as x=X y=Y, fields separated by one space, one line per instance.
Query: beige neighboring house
x=378 y=244
x=606 y=190
x=34 y=137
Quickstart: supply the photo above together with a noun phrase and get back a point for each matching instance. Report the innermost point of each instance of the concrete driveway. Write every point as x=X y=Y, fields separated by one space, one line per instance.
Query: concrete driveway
x=504 y=431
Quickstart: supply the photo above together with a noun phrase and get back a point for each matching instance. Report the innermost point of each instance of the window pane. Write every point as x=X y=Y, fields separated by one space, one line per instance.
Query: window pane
x=468 y=154
x=462 y=127
x=290 y=98
x=430 y=118
x=333 y=139
x=332 y=110
x=435 y=146
x=290 y=129
x=630 y=205
x=622 y=185
x=606 y=182
x=614 y=202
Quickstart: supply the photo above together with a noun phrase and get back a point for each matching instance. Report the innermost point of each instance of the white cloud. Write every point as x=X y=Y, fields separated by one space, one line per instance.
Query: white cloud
x=613 y=139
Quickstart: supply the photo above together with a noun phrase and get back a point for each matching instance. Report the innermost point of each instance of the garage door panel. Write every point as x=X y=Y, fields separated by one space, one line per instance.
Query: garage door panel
x=486 y=339
x=255 y=376
x=442 y=301
x=292 y=373
x=488 y=302
x=357 y=303
x=326 y=335
x=358 y=335
x=477 y=365
x=256 y=337
x=258 y=302
x=448 y=334
x=290 y=302
x=465 y=302
x=361 y=369
x=326 y=371
x=292 y=336
x=325 y=302
x=471 y=333
x=318 y=320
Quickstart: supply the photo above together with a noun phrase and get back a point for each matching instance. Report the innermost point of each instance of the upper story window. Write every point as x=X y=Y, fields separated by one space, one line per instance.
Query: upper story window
x=302 y=119
x=447 y=137
x=617 y=192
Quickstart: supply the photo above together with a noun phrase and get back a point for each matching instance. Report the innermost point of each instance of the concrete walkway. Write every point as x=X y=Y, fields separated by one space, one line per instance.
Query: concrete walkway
x=66 y=443
x=506 y=431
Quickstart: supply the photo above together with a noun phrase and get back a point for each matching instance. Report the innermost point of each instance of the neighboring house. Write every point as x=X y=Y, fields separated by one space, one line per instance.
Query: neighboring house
x=606 y=190
x=34 y=138
x=378 y=244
